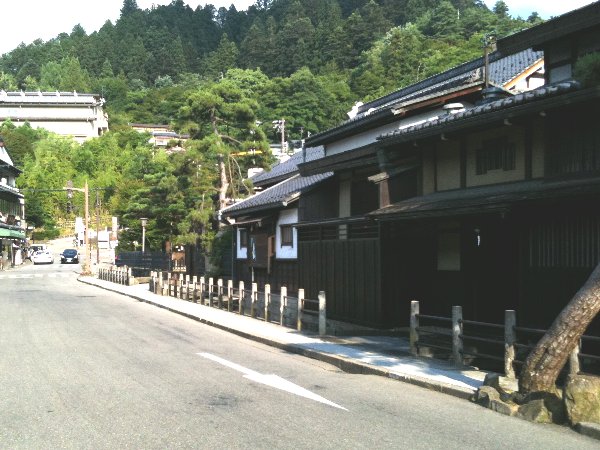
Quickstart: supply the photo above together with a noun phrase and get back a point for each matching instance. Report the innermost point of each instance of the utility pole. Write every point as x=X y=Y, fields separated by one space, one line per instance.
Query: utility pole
x=87 y=266
x=97 y=227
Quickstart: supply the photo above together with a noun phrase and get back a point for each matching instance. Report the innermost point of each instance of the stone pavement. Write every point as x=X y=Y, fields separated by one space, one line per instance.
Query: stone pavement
x=376 y=355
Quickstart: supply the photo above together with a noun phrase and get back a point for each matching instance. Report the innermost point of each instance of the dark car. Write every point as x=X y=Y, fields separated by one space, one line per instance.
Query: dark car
x=69 y=255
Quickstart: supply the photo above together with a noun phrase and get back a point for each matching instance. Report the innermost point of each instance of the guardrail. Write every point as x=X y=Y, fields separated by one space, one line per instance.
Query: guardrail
x=513 y=342
x=295 y=312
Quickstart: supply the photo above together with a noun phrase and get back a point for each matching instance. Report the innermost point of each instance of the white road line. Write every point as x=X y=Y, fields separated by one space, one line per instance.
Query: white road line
x=271 y=380
x=20 y=276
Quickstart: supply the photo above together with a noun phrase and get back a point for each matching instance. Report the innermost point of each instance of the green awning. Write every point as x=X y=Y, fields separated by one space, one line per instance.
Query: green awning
x=14 y=234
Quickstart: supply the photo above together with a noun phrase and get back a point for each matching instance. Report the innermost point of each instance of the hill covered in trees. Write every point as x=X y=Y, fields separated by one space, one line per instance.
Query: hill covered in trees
x=370 y=46
x=223 y=76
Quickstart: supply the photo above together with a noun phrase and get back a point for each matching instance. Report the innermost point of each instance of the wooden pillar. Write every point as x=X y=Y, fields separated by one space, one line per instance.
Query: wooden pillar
x=414 y=328
x=457 y=330
x=510 y=338
x=267 y=302
x=282 y=303
x=322 y=314
x=300 y=306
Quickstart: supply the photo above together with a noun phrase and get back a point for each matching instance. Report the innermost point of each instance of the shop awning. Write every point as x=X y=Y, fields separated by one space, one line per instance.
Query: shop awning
x=11 y=233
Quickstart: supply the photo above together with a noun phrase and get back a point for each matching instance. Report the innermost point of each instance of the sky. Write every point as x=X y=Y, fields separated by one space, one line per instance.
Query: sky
x=27 y=20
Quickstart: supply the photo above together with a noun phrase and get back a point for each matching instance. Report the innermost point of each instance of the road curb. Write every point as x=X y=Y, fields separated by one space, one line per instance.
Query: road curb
x=343 y=363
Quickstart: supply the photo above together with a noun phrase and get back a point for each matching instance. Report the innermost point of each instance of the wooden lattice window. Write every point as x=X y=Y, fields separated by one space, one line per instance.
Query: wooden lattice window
x=496 y=154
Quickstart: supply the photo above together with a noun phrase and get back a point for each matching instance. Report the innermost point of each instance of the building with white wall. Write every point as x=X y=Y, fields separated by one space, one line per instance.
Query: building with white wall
x=80 y=116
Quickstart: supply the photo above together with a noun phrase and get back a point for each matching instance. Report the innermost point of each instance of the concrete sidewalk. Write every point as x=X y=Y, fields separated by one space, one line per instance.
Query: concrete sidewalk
x=375 y=355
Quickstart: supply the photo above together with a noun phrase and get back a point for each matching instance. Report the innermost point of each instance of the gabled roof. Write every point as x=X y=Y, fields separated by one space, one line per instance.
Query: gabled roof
x=287 y=168
x=470 y=74
x=278 y=196
x=525 y=102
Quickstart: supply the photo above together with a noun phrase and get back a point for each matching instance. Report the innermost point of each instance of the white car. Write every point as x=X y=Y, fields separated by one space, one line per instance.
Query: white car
x=42 y=257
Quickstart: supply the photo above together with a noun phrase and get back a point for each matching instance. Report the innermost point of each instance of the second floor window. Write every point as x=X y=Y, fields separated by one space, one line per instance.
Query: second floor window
x=287 y=236
x=496 y=154
x=243 y=238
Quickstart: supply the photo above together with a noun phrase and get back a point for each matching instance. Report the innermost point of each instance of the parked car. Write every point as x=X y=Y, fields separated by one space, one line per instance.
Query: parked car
x=35 y=248
x=42 y=257
x=69 y=255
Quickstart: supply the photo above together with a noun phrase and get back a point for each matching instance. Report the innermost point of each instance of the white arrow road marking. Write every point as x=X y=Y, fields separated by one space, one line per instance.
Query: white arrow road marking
x=271 y=380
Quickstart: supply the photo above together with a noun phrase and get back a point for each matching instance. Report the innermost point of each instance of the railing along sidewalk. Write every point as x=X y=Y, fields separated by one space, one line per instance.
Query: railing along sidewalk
x=298 y=312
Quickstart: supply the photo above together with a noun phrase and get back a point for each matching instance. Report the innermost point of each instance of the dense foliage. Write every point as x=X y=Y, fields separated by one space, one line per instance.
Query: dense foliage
x=222 y=76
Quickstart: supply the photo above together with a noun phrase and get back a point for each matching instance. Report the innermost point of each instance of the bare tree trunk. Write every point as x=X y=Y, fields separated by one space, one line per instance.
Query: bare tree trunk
x=224 y=184
x=544 y=363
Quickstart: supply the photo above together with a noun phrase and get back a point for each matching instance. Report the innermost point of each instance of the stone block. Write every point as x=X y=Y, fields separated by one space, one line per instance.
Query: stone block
x=582 y=399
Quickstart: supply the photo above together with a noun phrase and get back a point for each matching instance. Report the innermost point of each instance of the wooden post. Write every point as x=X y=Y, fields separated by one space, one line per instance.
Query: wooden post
x=241 y=296
x=210 y=290
x=414 y=328
x=220 y=293
x=201 y=296
x=229 y=294
x=574 y=367
x=159 y=286
x=168 y=284
x=457 y=329
x=267 y=302
x=187 y=288
x=253 y=300
x=300 y=306
x=129 y=277
x=282 y=303
x=510 y=338
x=194 y=287
x=322 y=314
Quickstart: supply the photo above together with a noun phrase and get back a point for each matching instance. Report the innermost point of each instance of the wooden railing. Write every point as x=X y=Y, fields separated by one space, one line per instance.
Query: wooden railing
x=297 y=312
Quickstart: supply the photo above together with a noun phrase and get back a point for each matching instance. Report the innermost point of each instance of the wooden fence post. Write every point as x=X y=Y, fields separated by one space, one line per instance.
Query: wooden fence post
x=129 y=277
x=202 y=290
x=574 y=367
x=220 y=293
x=229 y=295
x=241 y=300
x=510 y=338
x=300 y=306
x=210 y=290
x=282 y=303
x=168 y=284
x=254 y=298
x=414 y=328
x=322 y=314
x=267 y=302
x=457 y=331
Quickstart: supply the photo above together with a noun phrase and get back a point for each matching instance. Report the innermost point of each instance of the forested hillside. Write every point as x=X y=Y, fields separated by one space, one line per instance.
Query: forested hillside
x=369 y=46
x=223 y=76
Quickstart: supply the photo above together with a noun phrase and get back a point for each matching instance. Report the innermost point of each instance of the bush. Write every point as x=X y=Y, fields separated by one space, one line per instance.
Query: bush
x=43 y=235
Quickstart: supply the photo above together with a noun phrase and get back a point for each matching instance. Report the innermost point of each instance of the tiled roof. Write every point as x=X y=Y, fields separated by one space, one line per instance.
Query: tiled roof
x=486 y=198
x=505 y=103
x=276 y=196
x=502 y=70
x=287 y=167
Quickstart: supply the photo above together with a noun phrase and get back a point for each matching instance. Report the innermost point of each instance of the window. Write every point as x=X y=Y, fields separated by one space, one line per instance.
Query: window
x=243 y=238
x=287 y=235
x=496 y=154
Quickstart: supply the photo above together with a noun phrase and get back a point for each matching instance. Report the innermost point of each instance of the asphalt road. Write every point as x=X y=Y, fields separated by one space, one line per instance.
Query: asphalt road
x=84 y=368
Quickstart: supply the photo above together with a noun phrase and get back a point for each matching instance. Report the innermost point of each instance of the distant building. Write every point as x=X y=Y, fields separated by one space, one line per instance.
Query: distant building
x=12 y=209
x=80 y=116
x=162 y=135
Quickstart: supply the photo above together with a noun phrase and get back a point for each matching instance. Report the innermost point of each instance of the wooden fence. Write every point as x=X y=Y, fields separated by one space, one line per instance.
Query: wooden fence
x=513 y=342
x=296 y=312
x=120 y=275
